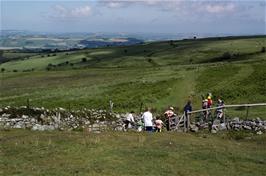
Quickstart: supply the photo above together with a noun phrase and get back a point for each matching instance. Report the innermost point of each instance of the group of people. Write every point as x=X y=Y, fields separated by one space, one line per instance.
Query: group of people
x=208 y=103
x=151 y=124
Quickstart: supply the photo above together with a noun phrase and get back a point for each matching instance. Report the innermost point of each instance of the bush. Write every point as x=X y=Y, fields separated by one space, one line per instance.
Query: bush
x=226 y=56
x=3 y=69
x=84 y=59
x=263 y=49
x=15 y=70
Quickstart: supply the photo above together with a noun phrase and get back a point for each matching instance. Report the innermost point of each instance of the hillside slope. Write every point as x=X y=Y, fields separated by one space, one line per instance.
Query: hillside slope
x=126 y=76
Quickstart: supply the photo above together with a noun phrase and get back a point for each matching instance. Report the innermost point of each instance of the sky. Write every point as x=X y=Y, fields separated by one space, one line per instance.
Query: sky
x=136 y=16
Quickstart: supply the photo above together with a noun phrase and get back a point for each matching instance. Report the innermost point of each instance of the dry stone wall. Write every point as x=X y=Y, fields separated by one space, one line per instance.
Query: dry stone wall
x=41 y=119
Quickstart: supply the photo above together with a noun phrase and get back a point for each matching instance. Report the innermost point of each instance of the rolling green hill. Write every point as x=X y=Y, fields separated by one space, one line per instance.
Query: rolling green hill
x=157 y=74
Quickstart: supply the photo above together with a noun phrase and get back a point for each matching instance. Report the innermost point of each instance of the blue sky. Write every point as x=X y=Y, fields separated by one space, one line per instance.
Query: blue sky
x=147 y=16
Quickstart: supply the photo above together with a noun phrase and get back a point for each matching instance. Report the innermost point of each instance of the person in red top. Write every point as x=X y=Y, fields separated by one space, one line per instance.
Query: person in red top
x=209 y=101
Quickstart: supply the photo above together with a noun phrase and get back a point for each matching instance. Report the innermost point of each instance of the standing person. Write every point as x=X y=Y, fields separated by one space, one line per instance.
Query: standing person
x=219 y=110
x=129 y=119
x=147 y=118
x=209 y=100
x=168 y=114
x=205 y=113
x=187 y=109
x=158 y=125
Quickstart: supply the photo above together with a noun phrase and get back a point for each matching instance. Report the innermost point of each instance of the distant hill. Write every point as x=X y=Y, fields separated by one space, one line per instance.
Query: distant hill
x=13 y=39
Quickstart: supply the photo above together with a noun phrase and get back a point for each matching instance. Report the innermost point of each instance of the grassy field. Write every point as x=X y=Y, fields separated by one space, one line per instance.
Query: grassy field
x=155 y=74
x=76 y=153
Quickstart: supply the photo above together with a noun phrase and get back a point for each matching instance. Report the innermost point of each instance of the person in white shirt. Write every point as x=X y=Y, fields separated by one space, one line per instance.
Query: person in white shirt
x=147 y=118
x=129 y=119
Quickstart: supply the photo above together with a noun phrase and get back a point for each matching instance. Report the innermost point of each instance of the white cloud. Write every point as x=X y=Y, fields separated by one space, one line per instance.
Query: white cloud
x=81 y=11
x=220 y=8
x=78 y=12
x=115 y=3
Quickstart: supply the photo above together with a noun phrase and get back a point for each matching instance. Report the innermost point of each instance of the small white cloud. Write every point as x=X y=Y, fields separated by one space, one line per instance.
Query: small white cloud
x=78 y=12
x=115 y=3
x=81 y=11
x=220 y=8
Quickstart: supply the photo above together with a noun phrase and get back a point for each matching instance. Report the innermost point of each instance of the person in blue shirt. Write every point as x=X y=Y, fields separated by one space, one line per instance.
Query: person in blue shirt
x=187 y=108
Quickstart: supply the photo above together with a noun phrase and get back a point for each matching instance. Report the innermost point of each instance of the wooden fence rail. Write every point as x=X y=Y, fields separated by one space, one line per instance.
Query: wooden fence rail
x=187 y=118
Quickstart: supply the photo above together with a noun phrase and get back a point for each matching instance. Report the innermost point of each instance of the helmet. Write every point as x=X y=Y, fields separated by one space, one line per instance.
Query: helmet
x=171 y=108
x=209 y=97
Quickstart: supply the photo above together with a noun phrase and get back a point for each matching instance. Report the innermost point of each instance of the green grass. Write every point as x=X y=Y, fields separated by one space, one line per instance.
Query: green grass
x=156 y=74
x=146 y=55
x=130 y=78
x=75 y=153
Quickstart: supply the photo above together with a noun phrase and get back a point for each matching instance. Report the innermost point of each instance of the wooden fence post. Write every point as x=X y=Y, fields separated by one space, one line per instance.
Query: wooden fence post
x=111 y=105
x=224 y=115
x=28 y=103
x=247 y=107
x=188 y=122
x=140 y=109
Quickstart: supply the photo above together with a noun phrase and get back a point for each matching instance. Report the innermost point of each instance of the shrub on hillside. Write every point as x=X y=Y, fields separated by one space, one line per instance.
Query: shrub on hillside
x=15 y=70
x=84 y=59
x=263 y=49
x=226 y=56
x=3 y=69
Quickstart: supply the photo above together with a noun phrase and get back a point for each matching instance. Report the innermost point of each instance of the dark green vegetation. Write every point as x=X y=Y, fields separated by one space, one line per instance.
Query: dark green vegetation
x=156 y=74
x=77 y=153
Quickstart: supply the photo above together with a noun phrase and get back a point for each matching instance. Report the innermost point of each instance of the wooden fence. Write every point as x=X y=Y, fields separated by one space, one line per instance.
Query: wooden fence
x=187 y=118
